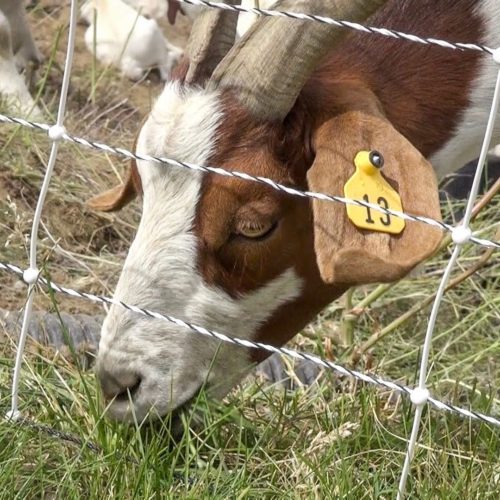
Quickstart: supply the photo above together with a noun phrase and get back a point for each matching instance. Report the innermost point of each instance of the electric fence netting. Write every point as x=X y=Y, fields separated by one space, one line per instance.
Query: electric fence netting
x=461 y=235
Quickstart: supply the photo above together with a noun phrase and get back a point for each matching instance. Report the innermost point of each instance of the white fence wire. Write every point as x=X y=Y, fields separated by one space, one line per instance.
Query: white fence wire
x=342 y=370
x=398 y=35
x=461 y=235
x=456 y=232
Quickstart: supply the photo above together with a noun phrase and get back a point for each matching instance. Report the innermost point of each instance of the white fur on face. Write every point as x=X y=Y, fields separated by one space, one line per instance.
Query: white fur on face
x=466 y=142
x=160 y=273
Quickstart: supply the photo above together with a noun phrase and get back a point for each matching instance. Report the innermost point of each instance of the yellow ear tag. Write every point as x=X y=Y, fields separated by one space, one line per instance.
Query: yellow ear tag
x=367 y=184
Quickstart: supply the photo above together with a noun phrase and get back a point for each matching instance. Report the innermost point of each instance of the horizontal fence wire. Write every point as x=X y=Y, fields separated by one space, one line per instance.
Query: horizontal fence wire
x=291 y=353
x=397 y=35
x=57 y=132
x=57 y=127
x=242 y=175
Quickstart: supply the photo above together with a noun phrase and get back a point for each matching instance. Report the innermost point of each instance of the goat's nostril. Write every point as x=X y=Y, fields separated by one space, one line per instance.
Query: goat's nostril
x=128 y=392
x=118 y=385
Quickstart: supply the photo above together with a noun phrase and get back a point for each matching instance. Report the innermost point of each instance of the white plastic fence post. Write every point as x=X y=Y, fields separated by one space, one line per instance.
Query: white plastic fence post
x=30 y=276
x=460 y=235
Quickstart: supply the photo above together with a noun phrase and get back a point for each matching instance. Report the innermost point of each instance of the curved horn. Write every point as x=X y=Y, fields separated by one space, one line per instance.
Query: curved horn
x=269 y=66
x=212 y=36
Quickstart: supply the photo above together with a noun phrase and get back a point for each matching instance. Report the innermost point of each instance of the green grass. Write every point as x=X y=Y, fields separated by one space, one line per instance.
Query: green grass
x=264 y=442
x=335 y=439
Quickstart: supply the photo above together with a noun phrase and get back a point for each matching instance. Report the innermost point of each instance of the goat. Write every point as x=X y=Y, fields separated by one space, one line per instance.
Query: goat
x=15 y=95
x=293 y=101
x=127 y=39
x=245 y=19
x=22 y=44
x=154 y=9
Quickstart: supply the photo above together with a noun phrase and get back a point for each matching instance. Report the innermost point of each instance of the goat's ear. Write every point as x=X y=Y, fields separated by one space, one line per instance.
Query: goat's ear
x=116 y=198
x=345 y=253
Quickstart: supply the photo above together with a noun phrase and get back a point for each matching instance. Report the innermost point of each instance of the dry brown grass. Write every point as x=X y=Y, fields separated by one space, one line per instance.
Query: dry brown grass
x=81 y=248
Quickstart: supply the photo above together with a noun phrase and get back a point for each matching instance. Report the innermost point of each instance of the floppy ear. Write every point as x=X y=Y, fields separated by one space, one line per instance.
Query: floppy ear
x=116 y=198
x=351 y=255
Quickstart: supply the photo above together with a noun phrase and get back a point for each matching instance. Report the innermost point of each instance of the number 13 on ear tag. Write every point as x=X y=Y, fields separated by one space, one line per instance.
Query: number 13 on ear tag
x=367 y=184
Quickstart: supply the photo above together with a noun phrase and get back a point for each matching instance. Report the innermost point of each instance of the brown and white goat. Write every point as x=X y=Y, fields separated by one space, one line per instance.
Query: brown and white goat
x=293 y=101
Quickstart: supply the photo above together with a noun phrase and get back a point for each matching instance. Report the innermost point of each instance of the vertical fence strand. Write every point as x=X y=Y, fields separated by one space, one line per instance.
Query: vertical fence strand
x=31 y=275
x=461 y=234
x=464 y=229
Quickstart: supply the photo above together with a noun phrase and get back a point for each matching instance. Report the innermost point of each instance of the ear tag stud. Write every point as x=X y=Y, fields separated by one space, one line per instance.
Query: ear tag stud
x=367 y=184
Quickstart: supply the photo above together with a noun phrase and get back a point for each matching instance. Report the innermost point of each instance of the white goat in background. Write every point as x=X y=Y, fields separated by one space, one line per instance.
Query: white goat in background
x=14 y=94
x=127 y=39
x=245 y=20
x=155 y=9
x=22 y=45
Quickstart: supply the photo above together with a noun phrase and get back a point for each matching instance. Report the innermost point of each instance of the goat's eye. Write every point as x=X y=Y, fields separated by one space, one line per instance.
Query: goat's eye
x=255 y=230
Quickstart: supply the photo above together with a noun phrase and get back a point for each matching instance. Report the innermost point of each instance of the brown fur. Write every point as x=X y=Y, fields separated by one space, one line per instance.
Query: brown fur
x=116 y=198
x=235 y=263
x=314 y=238
x=371 y=92
x=381 y=78
x=423 y=90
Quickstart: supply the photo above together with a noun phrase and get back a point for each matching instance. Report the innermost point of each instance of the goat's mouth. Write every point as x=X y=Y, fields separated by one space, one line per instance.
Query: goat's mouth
x=184 y=413
x=135 y=406
x=127 y=395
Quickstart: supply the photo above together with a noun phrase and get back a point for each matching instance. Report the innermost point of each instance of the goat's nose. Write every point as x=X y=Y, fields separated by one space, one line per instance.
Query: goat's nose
x=119 y=384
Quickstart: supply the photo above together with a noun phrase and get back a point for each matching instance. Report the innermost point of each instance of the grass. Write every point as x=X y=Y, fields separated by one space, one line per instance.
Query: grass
x=335 y=439
x=331 y=439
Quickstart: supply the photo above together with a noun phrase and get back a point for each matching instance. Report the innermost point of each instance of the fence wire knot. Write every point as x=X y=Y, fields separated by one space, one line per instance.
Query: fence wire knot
x=56 y=132
x=419 y=396
x=30 y=275
x=13 y=415
x=496 y=55
x=461 y=235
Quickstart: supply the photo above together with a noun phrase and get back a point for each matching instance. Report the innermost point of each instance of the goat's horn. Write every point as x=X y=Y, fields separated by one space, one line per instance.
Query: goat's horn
x=269 y=66
x=212 y=36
